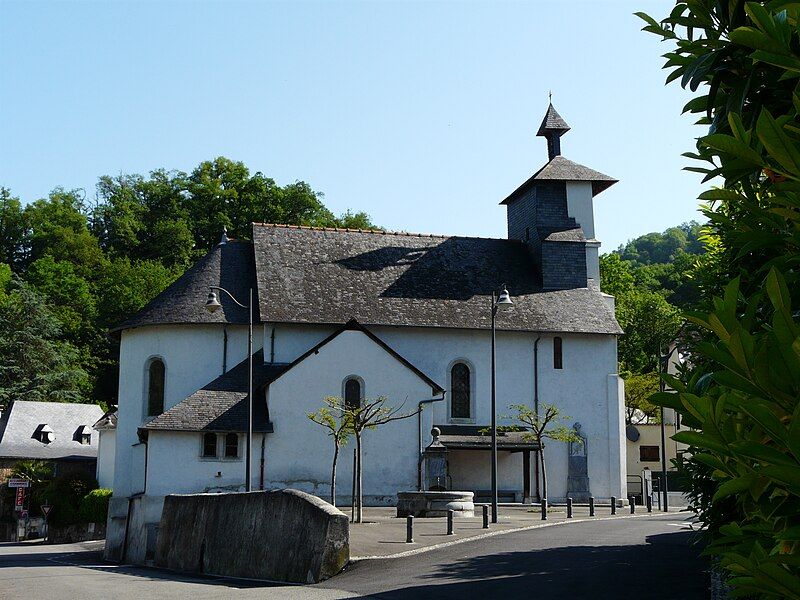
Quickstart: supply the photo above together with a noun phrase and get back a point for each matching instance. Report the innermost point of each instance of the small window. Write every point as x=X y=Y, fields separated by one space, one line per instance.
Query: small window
x=460 y=392
x=649 y=454
x=232 y=445
x=352 y=393
x=155 y=387
x=527 y=234
x=209 y=445
x=558 y=361
x=86 y=439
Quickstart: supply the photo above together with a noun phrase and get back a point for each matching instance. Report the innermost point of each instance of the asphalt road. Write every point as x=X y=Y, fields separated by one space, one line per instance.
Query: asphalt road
x=645 y=557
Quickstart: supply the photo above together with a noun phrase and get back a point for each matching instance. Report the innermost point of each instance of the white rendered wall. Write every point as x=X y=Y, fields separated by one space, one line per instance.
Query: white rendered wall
x=106 y=448
x=299 y=452
x=192 y=356
x=580 y=206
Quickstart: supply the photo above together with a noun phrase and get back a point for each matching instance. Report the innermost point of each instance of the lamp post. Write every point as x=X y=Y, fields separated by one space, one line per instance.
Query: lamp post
x=501 y=302
x=663 y=360
x=212 y=305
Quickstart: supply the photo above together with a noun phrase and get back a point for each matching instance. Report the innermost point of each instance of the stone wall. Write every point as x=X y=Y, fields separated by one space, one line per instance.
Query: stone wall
x=81 y=532
x=281 y=535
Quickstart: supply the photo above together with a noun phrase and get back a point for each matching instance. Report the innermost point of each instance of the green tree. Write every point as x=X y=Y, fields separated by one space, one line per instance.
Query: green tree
x=13 y=231
x=333 y=417
x=639 y=387
x=545 y=424
x=37 y=364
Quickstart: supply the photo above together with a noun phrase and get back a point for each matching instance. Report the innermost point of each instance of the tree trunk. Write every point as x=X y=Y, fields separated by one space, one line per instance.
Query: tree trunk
x=544 y=474
x=333 y=475
x=359 y=471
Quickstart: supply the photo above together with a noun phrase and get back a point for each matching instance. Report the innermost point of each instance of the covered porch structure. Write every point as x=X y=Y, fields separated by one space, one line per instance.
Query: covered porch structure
x=469 y=467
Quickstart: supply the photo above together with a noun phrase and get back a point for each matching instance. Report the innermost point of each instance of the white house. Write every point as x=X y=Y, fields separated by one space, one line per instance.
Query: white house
x=364 y=314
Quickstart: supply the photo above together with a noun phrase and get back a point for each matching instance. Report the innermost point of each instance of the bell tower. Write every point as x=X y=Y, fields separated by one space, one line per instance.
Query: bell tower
x=553 y=213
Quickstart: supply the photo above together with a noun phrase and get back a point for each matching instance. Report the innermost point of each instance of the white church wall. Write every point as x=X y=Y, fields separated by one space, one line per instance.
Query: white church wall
x=580 y=205
x=106 y=450
x=298 y=453
x=192 y=356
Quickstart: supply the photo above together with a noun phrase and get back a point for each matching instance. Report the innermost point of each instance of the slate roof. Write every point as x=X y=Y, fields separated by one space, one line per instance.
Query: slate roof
x=22 y=418
x=563 y=169
x=459 y=437
x=228 y=265
x=565 y=235
x=552 y=122
x=329 y=276
x=107 y=421
x=222 y=404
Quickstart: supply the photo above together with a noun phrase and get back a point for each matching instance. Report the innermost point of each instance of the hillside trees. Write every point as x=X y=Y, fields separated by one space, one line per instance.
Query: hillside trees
x=87 y=266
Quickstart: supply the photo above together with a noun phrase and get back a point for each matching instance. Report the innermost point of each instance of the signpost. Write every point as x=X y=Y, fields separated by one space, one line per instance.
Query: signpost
x=17 y=482
x=46 y=508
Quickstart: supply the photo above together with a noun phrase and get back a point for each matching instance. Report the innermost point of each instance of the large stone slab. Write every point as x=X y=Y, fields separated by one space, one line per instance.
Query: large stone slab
x=435 y=504
x=281 y=535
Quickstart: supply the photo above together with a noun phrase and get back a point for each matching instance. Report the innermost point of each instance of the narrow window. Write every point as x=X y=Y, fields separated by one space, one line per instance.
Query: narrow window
x=232 y=445
x=460 y=393
x=557 y=355
x=209 y=445
x=352 y=393
x=649 y=453
x=155 y=387
x=527 y=234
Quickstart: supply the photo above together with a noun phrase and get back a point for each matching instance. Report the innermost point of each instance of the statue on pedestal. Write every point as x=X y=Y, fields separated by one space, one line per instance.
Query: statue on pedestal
x=578 y=469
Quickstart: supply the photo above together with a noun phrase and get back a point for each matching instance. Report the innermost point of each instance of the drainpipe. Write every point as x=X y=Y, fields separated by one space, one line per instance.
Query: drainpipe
x=272 y=345
x=261 y=480
x=536 y=404
x=419 y=436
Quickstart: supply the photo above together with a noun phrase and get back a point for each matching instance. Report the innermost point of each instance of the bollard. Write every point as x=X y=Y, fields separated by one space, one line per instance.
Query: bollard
x=569 y=508
x=632 y=500
x=544 y=510
x=449 y=522
x=613 y=505
x=649 y=503
x=410 y=529
x=591 y=506
x=486 y=516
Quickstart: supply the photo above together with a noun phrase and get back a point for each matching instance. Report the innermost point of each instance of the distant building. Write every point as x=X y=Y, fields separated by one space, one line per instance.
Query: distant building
x=57 y=432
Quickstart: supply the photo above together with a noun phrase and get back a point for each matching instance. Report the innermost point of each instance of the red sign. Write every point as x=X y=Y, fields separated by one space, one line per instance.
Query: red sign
x=19 y=499
x=46 y=508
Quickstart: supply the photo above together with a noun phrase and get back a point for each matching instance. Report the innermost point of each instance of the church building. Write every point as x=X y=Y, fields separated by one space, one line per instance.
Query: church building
x=364 y=314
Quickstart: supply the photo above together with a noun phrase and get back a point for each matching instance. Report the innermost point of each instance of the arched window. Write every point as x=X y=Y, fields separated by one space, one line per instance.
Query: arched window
x=352 y=392
x=155 y=387
x=558 y=362
x=460 y=392
x=209 y=445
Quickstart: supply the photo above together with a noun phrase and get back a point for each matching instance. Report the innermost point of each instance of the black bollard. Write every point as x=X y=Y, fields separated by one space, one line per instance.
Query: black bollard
x=449 y=522
x=486 y=516
x=591 y=506
x=613 y=505
x=649 y=503
x=544 y=510
x=632 y=500
x=569 y=508
x=410 y=529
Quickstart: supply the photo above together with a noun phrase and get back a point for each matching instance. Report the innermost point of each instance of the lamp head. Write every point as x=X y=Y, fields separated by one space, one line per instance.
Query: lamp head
x=504 y=300
x=212 y=304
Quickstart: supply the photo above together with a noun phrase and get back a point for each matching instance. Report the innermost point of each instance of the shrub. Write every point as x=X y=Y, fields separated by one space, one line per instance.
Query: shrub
x=94 y=506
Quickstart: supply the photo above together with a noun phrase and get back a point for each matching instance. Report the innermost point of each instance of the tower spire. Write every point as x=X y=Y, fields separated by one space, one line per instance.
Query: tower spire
x=552 y=128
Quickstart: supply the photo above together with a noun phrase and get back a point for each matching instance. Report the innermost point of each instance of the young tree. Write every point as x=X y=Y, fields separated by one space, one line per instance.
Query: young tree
x=638 y=389
x=369 y=414
x=333 y=417
x=547 y=423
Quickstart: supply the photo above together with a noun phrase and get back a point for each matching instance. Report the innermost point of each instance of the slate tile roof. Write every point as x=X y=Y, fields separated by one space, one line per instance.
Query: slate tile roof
x=552 y=122
x=563 y=169
x=222 y=404
x=227 y=265
x=22 y=418
x=328 y=276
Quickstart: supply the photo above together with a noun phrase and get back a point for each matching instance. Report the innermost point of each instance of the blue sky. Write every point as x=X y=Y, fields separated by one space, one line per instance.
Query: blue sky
x=422 y=114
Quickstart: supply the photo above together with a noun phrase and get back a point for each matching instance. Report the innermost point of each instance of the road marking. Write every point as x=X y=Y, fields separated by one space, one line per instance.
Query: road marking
x=416 y=551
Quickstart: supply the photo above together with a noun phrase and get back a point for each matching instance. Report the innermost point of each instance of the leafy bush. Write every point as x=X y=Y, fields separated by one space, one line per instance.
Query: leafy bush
x=94 y=506
x=65 y=494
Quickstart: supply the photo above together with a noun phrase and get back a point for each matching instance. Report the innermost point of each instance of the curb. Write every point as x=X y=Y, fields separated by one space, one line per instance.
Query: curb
x=415 y=551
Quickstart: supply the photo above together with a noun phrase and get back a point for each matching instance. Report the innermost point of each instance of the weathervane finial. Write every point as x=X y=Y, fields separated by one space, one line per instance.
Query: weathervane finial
x=550 y=96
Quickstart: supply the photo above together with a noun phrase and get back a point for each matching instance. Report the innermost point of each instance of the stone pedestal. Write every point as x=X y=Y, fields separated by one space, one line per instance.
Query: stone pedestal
x=578 y=468
x=435 y=504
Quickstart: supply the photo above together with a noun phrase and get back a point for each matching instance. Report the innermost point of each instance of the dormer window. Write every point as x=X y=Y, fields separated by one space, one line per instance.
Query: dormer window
x=83 y=435
x=44 y=433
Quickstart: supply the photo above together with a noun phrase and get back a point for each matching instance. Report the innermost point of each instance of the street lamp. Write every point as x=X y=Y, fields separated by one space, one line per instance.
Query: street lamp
x=664 y=368
x=212 y=306
x=498 y=303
